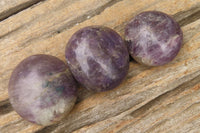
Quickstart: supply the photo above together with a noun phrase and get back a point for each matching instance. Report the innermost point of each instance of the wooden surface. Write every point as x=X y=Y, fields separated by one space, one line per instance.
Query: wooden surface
x=162 y=99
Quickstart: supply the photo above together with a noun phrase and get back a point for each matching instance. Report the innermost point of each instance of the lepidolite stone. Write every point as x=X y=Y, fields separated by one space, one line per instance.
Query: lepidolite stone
x=153 y=38
x=42 y=89
x=97 y=57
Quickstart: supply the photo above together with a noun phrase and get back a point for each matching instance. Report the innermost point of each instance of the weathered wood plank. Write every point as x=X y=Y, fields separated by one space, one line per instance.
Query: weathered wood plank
x=11 y=7
x=169 y=112
x=91 y=109
x=40 y=30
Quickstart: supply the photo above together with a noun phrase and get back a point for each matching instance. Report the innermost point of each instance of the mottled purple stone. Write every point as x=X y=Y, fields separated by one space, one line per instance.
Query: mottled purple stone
x=42 y=90
x=98 y=58
x=153 y=38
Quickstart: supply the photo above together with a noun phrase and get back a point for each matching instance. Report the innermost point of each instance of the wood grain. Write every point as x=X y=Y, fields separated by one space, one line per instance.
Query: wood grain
x=11 y=7
x=151 y=99
x=172 y=110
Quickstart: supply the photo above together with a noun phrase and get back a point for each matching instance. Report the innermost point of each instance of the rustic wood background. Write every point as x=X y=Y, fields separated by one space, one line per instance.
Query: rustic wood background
x=162 y=99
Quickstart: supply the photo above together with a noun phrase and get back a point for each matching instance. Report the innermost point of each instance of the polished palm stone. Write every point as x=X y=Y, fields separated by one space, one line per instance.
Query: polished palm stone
x=98 y=58
x=153 y=38
x=42 y=89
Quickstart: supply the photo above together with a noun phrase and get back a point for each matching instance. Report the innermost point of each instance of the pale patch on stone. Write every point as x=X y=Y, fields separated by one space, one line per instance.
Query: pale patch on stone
x=170 y=41
x=47 y=114
x=33 y=88
x=83 y=51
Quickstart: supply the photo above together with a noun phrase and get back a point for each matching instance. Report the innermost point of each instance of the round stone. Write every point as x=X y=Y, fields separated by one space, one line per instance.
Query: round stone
x=42 y=89
x=98 y=58
x=153 y=38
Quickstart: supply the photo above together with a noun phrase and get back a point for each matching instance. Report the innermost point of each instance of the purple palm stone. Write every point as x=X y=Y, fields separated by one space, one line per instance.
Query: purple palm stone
x=97 y=57
x=42 y=89
x=153 y=38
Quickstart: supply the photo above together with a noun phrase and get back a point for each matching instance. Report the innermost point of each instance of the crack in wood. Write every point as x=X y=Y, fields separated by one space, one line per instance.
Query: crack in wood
x=183 y=87
x=156 y=125
x=4 y=102
x=187 y=17
x=149 y=107
x=6 y=108
x=10 y=124
x=47 y=129
x=4 y=35
x=6 y=14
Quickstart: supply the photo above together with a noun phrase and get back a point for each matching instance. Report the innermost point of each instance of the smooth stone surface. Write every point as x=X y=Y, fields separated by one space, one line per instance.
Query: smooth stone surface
x=153 y=38
x=98 y=58
x=42 y=89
